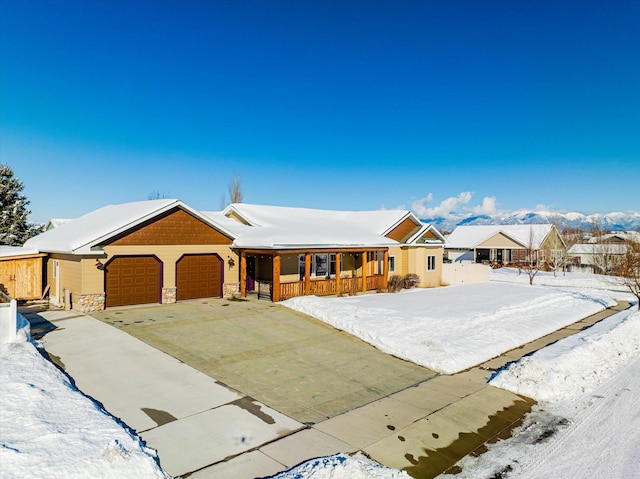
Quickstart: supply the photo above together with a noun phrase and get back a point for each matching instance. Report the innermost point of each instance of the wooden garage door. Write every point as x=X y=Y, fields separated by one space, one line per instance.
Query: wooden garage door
x=133 y=280
x=199 y=276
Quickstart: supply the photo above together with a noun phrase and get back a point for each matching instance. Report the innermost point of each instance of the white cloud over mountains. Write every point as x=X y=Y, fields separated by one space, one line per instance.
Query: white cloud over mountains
x=459 y=209
x=454 y=206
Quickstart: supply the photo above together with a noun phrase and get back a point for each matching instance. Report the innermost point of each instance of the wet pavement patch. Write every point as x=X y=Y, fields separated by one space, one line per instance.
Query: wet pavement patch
x=252 y=407
x=437 y=461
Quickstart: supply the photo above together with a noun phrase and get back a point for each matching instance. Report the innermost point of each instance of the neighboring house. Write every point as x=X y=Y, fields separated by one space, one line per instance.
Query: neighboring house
x=615 y=237
x=504 y=244
x=162 y=251
x=155 y=251
x=595 y=258
x=291 y=252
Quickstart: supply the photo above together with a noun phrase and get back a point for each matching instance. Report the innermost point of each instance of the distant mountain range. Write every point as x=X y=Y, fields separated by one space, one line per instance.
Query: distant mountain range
x=616 y=221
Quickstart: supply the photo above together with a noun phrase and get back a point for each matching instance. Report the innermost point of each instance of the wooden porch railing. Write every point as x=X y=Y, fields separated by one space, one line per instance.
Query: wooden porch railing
x=326 y=287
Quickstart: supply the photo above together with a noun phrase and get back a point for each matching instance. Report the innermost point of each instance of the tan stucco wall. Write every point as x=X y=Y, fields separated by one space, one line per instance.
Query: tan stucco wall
x=413 y=259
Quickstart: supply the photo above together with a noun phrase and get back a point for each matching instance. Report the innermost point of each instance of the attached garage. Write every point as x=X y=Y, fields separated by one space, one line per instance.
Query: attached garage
x=199 y=276
x=133 y=280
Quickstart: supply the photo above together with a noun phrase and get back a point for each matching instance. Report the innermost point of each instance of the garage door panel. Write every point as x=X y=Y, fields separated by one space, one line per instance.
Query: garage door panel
x=198 y=276
x=133 y=280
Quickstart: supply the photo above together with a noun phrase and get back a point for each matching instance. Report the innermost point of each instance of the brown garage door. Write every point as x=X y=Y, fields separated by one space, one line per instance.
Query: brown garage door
x=199 y=276
x=133 y=280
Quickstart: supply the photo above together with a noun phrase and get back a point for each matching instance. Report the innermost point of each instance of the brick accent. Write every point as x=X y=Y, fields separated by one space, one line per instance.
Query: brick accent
x=169 y=295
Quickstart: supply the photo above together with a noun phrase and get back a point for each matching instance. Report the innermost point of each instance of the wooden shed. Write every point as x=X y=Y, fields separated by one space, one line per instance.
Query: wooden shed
x=21 y=276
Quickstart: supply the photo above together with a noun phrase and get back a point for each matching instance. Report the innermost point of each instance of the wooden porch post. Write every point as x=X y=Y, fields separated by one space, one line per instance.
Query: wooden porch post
x=364 y=271
x=275 y=286
x=385 y=269
x=307 y=274
x=338 y=273
x=243 y=274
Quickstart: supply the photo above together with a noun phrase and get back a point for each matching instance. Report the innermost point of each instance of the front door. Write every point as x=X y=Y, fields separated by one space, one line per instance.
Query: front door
x=251 y=273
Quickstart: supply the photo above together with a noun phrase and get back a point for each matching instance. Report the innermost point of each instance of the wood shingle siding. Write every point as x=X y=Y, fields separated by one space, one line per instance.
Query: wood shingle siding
x=176 y=227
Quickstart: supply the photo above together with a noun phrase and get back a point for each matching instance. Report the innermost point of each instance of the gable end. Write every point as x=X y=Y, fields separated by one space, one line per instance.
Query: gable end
x=403 y=231
x=175 y=227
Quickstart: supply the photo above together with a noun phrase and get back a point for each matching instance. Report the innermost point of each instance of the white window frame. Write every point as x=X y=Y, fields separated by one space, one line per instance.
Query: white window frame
x=392 y=264
x=431 y=262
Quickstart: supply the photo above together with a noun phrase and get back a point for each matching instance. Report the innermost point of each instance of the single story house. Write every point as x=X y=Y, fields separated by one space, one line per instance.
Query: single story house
x=300 y=251
x=504 y=244
x=602 y=258
x=162 y=251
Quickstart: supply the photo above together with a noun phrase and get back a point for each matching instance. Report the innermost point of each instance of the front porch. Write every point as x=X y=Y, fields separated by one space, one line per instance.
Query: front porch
x=280 y=275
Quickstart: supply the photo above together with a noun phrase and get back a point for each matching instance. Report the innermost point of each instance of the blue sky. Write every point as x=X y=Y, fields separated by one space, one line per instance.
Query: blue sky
x=324 y=104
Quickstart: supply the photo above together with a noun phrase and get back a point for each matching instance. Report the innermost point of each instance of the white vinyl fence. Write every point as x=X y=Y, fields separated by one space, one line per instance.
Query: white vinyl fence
x=8 y=319
x=463 y=273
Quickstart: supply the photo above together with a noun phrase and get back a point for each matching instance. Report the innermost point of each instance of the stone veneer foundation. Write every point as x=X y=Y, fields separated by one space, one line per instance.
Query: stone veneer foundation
x=169 y=295
x=229 y=289
x=88 y=303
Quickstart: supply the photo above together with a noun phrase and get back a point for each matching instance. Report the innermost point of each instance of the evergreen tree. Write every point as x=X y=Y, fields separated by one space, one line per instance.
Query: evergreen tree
x=14 y=227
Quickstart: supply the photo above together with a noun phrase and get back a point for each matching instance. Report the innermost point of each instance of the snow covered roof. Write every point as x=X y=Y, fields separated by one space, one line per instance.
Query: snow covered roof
x=288 y=227
x=593 y=248
x=6 y=251
x=55 y=222
x=261 y=227
x=470 y=236
x=426 y=228
x=84 y=235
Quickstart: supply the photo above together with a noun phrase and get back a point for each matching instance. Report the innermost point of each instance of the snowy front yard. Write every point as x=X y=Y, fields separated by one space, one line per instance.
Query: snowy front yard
x=452 y=328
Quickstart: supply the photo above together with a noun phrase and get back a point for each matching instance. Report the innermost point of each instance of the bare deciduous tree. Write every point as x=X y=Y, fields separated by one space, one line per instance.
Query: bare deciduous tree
x=630 y=267
x=531 y=265
x=606 y=256
x=235 y=190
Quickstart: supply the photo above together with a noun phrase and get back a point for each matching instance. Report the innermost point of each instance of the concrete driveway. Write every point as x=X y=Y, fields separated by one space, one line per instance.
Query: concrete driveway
x=294 y=364
x=192 y=420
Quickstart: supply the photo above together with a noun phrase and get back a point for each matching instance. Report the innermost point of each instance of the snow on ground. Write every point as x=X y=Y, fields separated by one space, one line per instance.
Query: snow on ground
x=587 y=423
x=452 y=328
x=342 y=466
x=573 y=280
x=49 y=429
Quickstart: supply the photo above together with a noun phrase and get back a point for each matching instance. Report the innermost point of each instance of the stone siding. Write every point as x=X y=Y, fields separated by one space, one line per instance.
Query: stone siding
x=88 y=303
x=169 y=295
x=230 y=289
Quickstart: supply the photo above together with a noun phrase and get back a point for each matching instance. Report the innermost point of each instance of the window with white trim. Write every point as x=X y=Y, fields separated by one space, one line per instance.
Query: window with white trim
x=431 y=263
x=392 y=264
